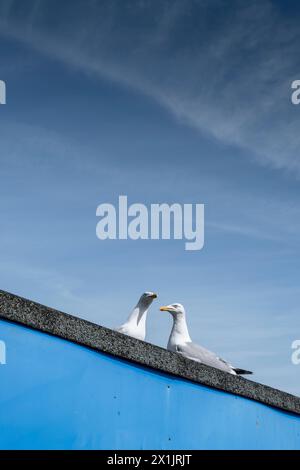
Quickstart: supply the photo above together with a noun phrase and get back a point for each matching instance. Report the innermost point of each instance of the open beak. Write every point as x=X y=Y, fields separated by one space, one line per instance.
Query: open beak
x=165 y=309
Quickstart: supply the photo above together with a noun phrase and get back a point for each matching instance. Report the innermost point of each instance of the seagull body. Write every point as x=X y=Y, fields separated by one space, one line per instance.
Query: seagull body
x=135 y=326
x=180 y=342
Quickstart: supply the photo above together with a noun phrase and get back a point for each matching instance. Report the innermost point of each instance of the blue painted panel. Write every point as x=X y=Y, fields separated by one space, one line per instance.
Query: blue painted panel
x=57 y=395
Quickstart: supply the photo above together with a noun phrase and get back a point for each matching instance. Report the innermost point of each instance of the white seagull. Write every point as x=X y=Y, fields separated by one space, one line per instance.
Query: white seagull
x=136 y=324
x=180 y=342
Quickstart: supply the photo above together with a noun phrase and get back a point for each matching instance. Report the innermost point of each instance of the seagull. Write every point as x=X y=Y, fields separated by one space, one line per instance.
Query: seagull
x=180 y=342
x=135 y=326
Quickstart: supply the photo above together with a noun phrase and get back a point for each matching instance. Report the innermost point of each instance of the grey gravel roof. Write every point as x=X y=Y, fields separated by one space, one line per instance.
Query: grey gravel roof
x=33 y=315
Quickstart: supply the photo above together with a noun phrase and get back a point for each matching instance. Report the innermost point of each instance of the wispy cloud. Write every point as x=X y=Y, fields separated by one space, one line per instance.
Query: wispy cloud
x=236 y=211
x=228 y=78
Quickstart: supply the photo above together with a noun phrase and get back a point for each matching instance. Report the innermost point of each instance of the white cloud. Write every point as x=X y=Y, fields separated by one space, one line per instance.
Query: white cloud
x=229 y=78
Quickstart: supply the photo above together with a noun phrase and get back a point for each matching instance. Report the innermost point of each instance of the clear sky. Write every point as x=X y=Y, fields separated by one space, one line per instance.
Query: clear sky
x=165 y=101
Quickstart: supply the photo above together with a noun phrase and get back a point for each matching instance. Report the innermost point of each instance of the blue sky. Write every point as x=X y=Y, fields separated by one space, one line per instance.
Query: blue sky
x=165 y=101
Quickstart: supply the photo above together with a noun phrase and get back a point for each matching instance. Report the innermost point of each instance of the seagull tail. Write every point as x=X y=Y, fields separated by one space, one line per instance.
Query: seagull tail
x=242 y=372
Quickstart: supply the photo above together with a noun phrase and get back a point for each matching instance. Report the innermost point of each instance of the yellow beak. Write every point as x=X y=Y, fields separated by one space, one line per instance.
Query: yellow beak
x=164 y=309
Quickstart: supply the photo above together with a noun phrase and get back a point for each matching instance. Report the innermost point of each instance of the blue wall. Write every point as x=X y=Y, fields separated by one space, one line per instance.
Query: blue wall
x=57 y=395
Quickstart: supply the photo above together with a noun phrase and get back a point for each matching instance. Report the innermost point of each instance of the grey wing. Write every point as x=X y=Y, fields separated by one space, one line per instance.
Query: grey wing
x=198 y=353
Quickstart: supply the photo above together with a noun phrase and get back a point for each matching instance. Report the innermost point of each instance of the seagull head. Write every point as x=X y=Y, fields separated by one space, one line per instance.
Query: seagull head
x=147 y=298
x=176 y=310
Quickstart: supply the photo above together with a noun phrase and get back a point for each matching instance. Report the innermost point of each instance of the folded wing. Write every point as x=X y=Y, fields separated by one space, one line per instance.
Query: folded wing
x=199 y=354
